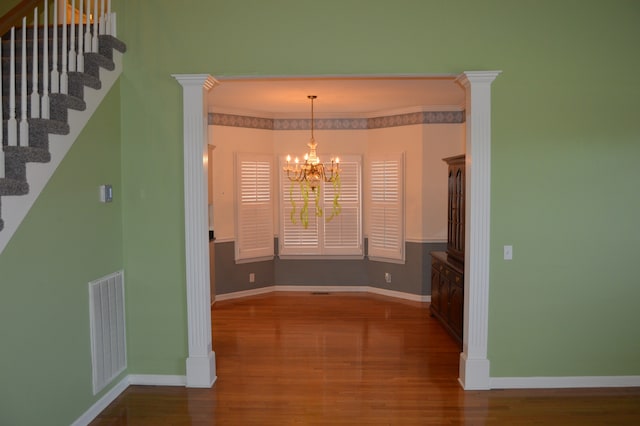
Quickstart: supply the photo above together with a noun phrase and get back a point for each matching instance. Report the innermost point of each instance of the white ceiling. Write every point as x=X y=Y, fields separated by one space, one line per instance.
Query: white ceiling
x=343 y=96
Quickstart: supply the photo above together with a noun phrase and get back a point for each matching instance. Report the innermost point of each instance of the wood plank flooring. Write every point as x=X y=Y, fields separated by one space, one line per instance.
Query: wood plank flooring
x=350 y=359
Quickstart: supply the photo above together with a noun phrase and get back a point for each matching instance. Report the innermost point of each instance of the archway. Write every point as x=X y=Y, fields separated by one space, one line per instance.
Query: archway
x=474 y=364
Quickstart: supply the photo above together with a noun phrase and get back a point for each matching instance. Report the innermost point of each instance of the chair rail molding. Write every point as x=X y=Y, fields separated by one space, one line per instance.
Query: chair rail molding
x=474 y=364
x=201 y=363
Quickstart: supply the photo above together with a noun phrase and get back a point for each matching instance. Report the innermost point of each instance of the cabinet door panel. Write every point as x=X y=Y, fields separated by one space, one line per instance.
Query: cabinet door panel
x=456 y=304
x=435 y=288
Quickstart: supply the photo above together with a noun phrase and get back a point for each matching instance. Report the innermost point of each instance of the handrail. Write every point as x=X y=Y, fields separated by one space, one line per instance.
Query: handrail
x=13 y=17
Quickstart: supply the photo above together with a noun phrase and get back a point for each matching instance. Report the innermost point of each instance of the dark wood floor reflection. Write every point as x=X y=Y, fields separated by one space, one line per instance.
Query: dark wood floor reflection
x=350 y=359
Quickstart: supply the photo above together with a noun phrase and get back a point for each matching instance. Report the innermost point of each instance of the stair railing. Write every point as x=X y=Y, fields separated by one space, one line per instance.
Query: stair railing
x=94 y=17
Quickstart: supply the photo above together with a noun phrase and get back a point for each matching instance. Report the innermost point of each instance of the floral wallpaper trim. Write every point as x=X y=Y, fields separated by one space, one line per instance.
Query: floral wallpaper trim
x=425 y=117
x=230 y=120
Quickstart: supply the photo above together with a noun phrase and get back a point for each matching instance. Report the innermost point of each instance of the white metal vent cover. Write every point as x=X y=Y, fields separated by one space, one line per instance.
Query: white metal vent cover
x=107 y=323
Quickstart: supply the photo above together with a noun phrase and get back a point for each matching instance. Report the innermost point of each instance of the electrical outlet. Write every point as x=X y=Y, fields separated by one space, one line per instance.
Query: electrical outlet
x=387 y=277
x=252 y=277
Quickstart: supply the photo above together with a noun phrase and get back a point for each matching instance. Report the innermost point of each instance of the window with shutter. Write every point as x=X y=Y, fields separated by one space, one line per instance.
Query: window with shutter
x=338 y=232
x=386 y=228
x=254 y=220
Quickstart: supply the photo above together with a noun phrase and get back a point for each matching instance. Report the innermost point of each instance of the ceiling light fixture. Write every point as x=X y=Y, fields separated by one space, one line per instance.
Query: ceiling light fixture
x=310 y=175
x=312 y=171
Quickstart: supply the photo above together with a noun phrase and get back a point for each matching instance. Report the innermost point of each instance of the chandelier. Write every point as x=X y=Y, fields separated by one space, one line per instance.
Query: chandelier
x=309 y=175
x=312 y=171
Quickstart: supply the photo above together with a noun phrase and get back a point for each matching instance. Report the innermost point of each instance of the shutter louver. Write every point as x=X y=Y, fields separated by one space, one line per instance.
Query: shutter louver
x=342 y=233
x=255 y=207
x=386 y=232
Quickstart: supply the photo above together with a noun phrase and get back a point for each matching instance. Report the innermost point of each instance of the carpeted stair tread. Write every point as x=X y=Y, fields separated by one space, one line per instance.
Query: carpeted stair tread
x=50 y=126
x=13 y=187
x=94 y=61
x=16 y=158
x=79 y=80
x=107 y=44
x=26 y=154
x=73 y=102
x=39 y=131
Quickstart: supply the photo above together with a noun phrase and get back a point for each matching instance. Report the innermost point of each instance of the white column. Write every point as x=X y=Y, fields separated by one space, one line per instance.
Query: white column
x=201 y=368
x=474 y=364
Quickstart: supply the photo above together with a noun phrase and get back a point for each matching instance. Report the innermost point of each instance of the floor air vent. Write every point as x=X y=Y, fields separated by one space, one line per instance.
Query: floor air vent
x=108 y=348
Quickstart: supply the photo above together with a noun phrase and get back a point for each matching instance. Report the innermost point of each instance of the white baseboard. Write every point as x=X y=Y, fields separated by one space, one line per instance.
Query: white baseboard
x=322 y=288
x=244 y=293
x=102 y=403
x=564 y=382
x=113 y=393
x=157 y=380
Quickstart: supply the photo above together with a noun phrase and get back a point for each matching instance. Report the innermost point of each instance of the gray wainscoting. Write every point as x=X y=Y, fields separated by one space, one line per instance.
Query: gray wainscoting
x=413 y=277
x=232 y=277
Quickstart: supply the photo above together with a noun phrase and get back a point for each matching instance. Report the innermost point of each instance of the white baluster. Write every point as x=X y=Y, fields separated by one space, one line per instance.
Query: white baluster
x=87 y=34
x=80 y=59
x=108 y=20
x=94 y=41
x=55 y=73
x=12 y=124
x=45 y=64
x=113 y=24
x=64 y=78
x=1 y=121
x=102 y=18
x=35 y=96
x=24 y=124
x=72 y=49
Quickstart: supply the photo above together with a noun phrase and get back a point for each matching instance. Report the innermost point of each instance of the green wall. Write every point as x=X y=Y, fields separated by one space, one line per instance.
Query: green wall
x=564 y=179
x=66 y=240
x=565 y=133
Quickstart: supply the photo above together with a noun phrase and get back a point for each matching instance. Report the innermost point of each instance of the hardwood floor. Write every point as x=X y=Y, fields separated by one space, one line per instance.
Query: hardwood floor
x=350 y=359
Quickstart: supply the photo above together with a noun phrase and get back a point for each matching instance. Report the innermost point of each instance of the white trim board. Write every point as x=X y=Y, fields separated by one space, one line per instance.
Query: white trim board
x=132 y=379
x=322 y=288
x=564 y=382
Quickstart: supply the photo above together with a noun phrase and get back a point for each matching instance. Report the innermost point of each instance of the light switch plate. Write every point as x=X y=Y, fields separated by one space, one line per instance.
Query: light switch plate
x=508 y=252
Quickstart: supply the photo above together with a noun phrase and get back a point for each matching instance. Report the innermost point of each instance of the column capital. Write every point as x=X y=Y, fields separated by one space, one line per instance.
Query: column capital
x=196 y=80
x=469 y=77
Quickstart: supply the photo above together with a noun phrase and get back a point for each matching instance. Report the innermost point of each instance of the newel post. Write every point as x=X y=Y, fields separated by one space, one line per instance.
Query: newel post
x=201 y=365
x=474 y=364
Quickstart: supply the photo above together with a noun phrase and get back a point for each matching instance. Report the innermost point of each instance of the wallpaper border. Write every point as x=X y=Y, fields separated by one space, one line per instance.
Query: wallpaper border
x=425 y=117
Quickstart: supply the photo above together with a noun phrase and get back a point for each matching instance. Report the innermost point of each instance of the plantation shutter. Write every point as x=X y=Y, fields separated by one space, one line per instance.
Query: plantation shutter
x=386 y=230
x=343 y=232
x=340 y=235
x=254 y=228
x=295 y=238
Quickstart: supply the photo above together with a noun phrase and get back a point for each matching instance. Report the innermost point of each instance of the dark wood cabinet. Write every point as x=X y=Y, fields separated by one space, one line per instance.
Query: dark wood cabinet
x=447 y=268
x=455 y=208
x=447 y=293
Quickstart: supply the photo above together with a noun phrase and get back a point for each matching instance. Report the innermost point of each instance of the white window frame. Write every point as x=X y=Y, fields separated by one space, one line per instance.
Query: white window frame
x=315 y=234
x=386 y=219
x=254 y=245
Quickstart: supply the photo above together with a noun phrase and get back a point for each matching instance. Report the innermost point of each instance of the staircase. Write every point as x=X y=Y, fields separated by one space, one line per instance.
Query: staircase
x=75 y=65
